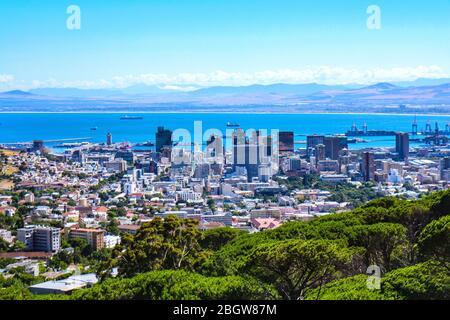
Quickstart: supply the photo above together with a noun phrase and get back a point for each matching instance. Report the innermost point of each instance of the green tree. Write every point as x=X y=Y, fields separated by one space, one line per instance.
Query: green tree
x=379 y=240
x=424 y=281
x=19 y=246
x=350 y=288
x=4 y=246
x=177 y=285
x=434 y=241
x=172 y=243
x=296 y=266
x=211 y=204
x=215 y=239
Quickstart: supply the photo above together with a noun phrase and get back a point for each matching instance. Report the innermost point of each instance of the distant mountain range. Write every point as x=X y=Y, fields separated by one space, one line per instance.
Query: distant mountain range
x=424 y=94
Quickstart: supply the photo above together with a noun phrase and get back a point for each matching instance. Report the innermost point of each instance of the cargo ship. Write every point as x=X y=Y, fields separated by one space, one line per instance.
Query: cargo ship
x=355 y=132
x=131 y=118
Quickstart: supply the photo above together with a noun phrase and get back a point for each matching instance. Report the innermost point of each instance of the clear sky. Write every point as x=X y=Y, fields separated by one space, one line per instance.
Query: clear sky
x=210 y=42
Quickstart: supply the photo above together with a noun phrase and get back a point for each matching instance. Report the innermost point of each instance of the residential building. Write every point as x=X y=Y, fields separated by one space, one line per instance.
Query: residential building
x=94 y=237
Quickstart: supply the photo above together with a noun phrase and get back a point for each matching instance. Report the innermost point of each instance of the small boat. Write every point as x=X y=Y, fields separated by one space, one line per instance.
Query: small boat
x=229 y=124
x=94 y=128
x=131 y=118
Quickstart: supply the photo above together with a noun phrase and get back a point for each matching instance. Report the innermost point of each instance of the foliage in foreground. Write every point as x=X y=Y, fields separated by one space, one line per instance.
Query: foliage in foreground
x=326 y=258
x=424 y=281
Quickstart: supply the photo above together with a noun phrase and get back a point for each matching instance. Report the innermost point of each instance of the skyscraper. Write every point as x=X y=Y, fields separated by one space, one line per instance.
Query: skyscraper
x=312 y=141
x=214 y=146
x=251 y=153
x=368 y=166
x=286 y=141
x=163 y=139
x=333 y=145
x=109 y=140
x=402 y=145
x=320 y=152
x=444 y=166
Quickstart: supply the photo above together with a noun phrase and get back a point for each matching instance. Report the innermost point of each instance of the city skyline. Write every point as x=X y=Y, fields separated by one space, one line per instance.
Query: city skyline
x=225 y=152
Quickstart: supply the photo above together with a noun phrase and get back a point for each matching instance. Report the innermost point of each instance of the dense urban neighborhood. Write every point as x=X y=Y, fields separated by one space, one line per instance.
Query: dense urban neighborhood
x=246 y=213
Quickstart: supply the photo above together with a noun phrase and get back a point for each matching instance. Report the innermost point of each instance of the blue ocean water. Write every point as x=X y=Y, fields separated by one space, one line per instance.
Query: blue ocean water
x=24 y=127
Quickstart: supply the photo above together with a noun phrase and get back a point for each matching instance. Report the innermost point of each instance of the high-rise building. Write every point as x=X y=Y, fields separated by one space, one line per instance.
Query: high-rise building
x=312 y=141
x=251 y=153
x=320 y=152
x=40 y=238
x=214 y=146
x=286 y=141
x=78 y=156
x=402 y=145
x=153 y=167
x=163 y=139
x=444 y=166
x=109 y=140
x=333 y=145
x=38 y=145
x=368 y=166
x=202 y=171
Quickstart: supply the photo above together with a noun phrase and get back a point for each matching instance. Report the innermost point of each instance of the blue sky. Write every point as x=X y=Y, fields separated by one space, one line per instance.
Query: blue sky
x=210 y=42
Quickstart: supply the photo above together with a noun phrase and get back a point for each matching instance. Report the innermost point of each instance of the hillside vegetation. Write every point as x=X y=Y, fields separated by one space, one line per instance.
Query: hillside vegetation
x=407 y=242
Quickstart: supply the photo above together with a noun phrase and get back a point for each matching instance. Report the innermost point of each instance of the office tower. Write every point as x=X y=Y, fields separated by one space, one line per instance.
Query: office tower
x=202 y=171
x=214 y=146
x=402 y=145
x=333 y=145
x=78 y=156
x=295 y=164
x=251 y=153
x=40 y=238
x=109 y=140
x=320 y=152
x=444 y=166
x=153 y=167
x=38 y=145
x=239 y=148
x=368 y=166
x=265 y=144
x=216 y=168
x=286 y=141
x=163 y=139
x=312 y=141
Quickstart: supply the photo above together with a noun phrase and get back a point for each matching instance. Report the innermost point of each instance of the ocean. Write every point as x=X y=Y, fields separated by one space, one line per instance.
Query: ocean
x=25 y=127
